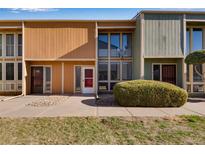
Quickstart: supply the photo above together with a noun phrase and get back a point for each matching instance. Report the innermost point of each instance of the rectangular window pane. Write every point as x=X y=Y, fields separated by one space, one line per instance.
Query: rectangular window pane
x=156 y=72
x=102 y=45
x=126 y=71
x=77 y=78
x=187 y=73
x=115 y=45
x=103 y=71
x=9 y=71
x=198 y=88
x=0 y=44
x=112 y=84
x=197 y=39
x=9 y=44
x=197 y=70
x=19 y=71
x=19 y=44
x=48 y=74
x=187 y=42
x=0 y=71
x=102 y=86
x=127 y=45
x=115 y=71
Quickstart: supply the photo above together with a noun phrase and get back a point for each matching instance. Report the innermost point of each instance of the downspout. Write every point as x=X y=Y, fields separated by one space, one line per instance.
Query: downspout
x=96 y=61
x=23 y=61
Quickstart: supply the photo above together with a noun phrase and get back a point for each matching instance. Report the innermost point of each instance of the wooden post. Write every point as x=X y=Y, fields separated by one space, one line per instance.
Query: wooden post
x=191 y=77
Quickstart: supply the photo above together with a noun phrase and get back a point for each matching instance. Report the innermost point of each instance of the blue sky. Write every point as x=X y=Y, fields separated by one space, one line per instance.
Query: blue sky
x=71 y=13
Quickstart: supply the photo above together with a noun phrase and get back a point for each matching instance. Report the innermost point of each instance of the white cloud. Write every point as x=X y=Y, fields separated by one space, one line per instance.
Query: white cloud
x=17 y=10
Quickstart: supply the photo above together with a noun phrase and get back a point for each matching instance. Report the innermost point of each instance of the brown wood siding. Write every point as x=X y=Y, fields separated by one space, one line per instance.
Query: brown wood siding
x=57 y=75
x=59 y=40
x=117 y=23
x=10 y=23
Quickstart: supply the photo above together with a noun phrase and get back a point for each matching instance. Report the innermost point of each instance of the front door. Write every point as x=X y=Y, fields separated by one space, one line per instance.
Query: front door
x=37 y=80
x=88 y=80
x=169 y=73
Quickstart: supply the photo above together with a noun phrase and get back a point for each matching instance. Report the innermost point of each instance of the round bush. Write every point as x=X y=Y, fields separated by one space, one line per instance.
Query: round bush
x=195 y=57
x=147 y=93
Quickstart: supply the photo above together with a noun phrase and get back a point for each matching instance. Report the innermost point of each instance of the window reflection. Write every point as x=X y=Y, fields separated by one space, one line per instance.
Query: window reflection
x=197 y=39
x=115 y=45
x=103 y=45
x=126 y=45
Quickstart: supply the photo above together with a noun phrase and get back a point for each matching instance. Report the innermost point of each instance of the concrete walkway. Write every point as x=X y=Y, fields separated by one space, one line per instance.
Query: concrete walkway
x=53 y=106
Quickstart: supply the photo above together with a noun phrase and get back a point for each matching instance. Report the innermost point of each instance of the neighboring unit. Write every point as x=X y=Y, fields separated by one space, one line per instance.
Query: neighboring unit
x=91 y=56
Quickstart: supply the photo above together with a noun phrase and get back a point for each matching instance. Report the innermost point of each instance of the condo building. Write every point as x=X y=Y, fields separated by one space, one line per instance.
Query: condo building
x=91 y=56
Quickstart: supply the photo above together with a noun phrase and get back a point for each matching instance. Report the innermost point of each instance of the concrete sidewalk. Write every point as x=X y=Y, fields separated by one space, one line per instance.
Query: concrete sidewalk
x=54 y=106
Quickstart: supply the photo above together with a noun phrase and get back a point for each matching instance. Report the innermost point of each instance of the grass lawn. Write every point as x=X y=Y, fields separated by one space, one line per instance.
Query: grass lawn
x=177 y=130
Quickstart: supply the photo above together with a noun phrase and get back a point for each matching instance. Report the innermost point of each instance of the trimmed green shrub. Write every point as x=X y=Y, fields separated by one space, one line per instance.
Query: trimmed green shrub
x=149 y=93
x=196 y=57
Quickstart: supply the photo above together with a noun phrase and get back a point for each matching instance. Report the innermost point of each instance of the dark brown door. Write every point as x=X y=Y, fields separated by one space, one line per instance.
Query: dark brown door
x=37 y=80
x=169 y=73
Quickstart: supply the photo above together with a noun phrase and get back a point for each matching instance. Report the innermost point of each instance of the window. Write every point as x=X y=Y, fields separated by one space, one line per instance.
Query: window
x=1 y=45
x=102 y=45
x=197 y=70
x=0 y=71
x=77 y=78
x=126 y=71
x=115 y=71
x=19 y=71
x=103 y=86
x=9 y=71
x=156 y=72
x=197 y=45
x=115 y=45
x=19 y=44
x=112 y=48
x=197 y=39
x=103 y=71
x=187 y=73
x=9 y=44
x=127 y=45
x=47 y=85
x=112 y=84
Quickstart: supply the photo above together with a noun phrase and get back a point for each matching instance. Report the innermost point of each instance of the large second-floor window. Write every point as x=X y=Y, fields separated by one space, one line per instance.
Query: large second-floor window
x=1 y=46
x=127 y=45
x=103 y=45
x=115 y=59
x=197 y=39
x=9 y=44
x=115 y=45
x=19 y=44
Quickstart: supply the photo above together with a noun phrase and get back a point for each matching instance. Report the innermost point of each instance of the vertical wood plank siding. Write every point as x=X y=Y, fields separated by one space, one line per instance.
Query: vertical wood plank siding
x=10 y=23
x=136 y=51
x=163 y=35
x=59 y=40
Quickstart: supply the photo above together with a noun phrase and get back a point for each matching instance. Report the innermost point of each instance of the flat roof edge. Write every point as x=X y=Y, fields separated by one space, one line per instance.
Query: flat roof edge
x=168 y=12
x=64 y=20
